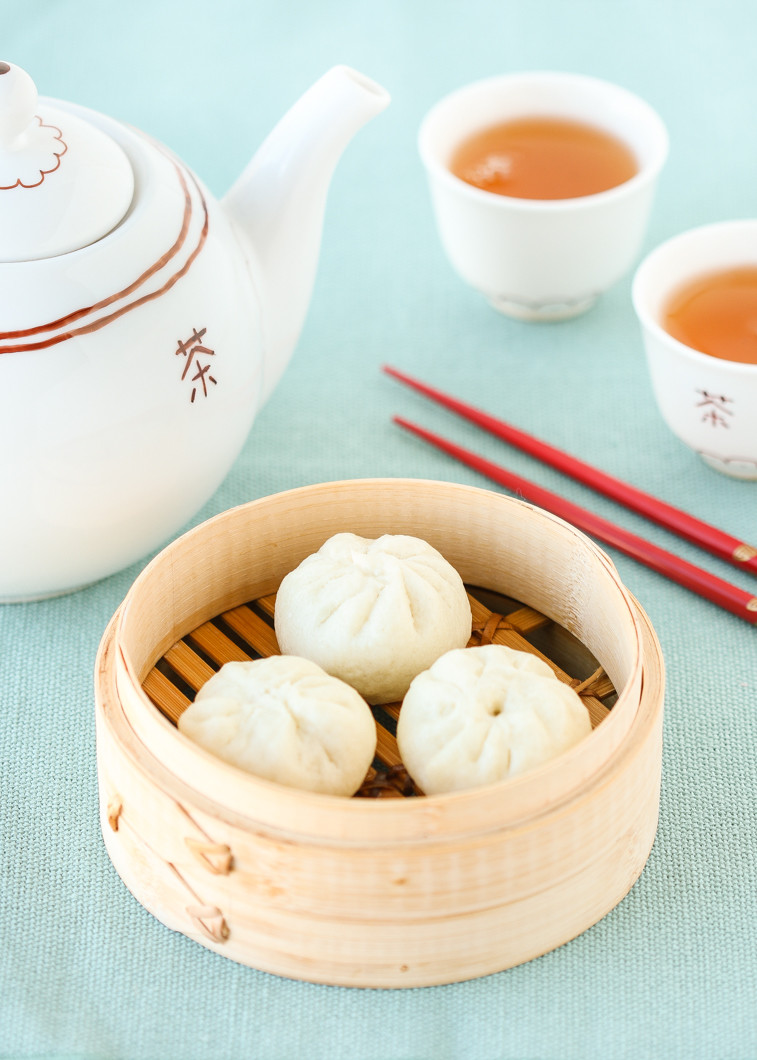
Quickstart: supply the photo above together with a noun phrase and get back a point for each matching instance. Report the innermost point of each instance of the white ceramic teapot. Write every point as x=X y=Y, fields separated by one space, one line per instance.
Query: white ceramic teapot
x=142 y=323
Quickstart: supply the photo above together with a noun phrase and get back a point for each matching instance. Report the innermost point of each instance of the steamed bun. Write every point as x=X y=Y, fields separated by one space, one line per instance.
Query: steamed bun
x=287 y=720
x=484 y=714
x=373 y=612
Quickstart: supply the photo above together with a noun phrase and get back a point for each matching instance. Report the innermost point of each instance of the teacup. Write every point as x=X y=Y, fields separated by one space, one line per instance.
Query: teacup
x=709 y=403
x=542 y=259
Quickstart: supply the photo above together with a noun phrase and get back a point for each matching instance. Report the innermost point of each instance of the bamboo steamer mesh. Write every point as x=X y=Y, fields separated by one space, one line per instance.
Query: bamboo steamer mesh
x=416 y=889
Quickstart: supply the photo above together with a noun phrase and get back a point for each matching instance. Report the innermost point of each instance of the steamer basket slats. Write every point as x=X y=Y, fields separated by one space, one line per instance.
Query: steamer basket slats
x=253 y=629
x=254 y=636
x=188 y=665
x=391 y=888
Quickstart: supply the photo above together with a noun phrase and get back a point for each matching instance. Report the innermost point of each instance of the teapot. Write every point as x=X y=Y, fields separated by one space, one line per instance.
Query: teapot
x=142 y=322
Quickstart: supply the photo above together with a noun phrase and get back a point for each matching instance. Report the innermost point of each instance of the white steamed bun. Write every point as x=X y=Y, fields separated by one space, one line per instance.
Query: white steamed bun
x=373 y=612
x=484 y=714
x=285 y=719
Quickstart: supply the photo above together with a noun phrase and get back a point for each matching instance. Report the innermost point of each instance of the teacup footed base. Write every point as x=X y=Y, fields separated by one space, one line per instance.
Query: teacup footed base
x=746 y=470
x=549 y=311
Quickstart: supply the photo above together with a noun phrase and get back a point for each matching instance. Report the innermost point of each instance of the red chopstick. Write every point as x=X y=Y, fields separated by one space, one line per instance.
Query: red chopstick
x=699 y=581
x=719 y=543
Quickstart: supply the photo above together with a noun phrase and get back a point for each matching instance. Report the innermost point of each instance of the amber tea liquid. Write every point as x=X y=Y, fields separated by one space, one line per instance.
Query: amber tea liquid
x=717 y=314
x=544 y=158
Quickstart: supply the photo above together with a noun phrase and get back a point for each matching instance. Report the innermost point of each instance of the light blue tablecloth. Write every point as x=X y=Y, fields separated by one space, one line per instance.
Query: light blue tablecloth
x=85 y=972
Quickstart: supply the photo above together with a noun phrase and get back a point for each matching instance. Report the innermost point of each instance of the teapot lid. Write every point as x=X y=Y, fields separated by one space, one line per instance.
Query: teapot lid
x=63 y=182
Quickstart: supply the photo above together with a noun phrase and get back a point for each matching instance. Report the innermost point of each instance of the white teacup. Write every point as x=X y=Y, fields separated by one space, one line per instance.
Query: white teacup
x=709 y=403
x=542 y=259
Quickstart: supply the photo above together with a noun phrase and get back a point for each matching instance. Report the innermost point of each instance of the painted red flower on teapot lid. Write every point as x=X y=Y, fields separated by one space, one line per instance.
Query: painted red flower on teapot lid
x=63 y=182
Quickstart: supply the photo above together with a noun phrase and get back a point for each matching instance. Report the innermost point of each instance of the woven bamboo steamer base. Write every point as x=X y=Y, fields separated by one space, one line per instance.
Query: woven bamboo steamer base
x=379 y=893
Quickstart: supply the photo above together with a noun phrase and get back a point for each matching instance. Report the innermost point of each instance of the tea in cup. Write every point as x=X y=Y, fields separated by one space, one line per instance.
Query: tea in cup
x=542 y=185
x=696 y=300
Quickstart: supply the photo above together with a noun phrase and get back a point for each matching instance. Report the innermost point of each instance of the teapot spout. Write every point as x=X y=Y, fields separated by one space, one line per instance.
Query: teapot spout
x=278 y=203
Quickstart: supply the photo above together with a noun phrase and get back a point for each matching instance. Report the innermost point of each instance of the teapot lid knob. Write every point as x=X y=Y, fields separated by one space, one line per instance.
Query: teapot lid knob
x=18 y=101
x=64 y=183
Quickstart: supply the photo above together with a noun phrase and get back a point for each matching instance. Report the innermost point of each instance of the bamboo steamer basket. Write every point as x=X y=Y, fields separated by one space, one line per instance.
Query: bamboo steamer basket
x=387 y=891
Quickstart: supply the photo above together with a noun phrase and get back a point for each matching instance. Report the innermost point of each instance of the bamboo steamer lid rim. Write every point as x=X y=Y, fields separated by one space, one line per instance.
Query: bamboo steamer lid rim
x=267 y=804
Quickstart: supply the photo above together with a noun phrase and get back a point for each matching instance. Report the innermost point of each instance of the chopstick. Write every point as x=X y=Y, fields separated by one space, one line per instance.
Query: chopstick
x=699 y=581
x=708 y=537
